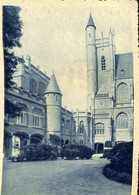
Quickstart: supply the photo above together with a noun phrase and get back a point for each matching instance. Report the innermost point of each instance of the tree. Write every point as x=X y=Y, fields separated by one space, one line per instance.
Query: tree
x=55 y=140
x=11 y=36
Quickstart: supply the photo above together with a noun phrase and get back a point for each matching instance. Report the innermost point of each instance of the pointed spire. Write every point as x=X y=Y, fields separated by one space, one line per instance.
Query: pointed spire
x=91 y=22
x=53 y=86
x=110 y=37
x=110 y=31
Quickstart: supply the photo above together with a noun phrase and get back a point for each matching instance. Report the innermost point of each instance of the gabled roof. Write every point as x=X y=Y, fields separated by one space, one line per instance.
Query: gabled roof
x=53 y=86
x=124 y=65
x=91 y=22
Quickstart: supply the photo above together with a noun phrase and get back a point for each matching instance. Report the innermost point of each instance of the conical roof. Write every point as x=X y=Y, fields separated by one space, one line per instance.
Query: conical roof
x=53 y=86
x=91 y=22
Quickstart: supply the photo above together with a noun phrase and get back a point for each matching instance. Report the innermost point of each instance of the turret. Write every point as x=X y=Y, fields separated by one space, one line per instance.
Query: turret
x=29 y=63
x=53 y=101
x=91 y=61
x=111 y=55
x=110 y=37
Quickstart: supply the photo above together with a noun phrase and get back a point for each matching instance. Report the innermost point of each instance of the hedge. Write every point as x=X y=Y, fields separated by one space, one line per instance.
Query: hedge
x=34 y=152
x=121 y=177
x=76 y=151
x=120 y=167
x=121 y=157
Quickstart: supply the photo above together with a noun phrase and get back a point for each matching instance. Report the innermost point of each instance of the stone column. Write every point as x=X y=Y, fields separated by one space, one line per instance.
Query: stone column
x=43 y=140
x=28 y=140
x=11 y=145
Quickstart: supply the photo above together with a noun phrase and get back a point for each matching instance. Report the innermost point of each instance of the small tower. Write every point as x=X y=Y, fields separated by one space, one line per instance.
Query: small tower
x=53 y=101
x=91 y=61
x=28 y=59
x=111 y=56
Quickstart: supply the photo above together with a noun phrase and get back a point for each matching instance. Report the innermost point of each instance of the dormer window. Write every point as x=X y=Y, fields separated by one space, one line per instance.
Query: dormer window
x=103 y=63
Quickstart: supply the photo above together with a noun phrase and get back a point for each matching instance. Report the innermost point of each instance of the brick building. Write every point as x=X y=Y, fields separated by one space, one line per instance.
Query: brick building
x=110 y=111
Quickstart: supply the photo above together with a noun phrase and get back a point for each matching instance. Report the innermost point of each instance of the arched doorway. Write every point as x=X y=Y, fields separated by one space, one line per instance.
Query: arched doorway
x=36 y=139
x=23 y=138
x=99 y=148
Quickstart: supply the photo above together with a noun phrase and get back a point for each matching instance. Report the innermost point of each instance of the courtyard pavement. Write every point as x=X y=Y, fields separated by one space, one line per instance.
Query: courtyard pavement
x=61 y=177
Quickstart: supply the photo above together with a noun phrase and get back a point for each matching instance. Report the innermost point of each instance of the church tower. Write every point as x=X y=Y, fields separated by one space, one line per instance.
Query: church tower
x=53 y=101
x=91 y=61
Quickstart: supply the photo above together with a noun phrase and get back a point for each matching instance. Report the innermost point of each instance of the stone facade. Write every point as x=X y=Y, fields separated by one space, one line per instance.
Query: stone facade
x=110 y=111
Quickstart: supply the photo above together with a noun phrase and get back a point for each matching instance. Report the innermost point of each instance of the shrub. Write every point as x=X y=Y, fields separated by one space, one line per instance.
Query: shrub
x=121 y=157
x=85 y=152
x=29 y=152
x=53 y=155
x=54 y=139
x=36 y=152
x=47 y=151
x=74 y=151
x=62 y=154
x=121 y=177
x=68 y=153
x=71 y=154
x=120 y=167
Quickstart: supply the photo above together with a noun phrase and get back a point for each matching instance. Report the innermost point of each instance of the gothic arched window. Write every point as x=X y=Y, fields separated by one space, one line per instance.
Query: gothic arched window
x=68 y=125
x=37 y=118
x=103 y=63
x=122 y=121
x=81 y=127
x=122 y=92
x=99 y=128
x=41 y=89
x=23 y=117
x=33 y=86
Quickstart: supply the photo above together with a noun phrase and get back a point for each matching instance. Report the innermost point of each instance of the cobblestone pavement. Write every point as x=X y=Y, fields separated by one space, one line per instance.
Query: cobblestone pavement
x=61 y=177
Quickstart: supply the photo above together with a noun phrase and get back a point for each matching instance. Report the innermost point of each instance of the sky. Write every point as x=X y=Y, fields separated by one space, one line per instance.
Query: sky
x=54 y=38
